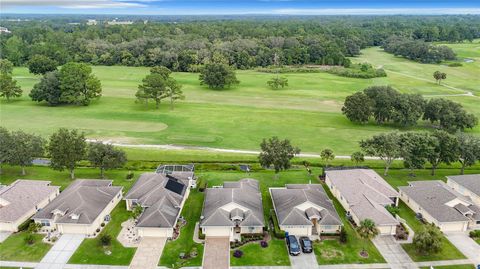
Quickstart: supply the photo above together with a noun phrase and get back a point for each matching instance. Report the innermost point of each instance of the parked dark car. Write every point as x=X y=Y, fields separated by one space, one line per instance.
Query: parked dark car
x=293 y=246
x=306 y=244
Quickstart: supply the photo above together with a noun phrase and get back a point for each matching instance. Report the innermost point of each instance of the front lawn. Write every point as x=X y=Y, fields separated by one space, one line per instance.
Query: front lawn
x=449 y=251
x=14 y=248
x=334 y=252
x=184 y=244
x=91 y=251
x=254 y=255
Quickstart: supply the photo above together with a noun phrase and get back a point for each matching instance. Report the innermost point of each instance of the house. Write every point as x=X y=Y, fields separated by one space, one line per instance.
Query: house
x=4 y=30
x=438 y=203
x=162 y=196
x=364 y=194
x=81 y=208
x=233 y=209
x=305 y=210
x=21 y=199
x=468 y=185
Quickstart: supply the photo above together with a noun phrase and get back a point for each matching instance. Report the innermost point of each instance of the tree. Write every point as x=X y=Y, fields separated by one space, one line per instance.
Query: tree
x=327 y=156
x=48 y=89
x=173 y=91
x=408 y=109
x=105 y=240
x=358 y=107
x=415 y=148
x=468 y=150
x=277 y=82
x=41 y=64
x=445 y=149
x=217 y=76
x=428 y=240
x=9 y=87
x=6 y=67
x=153 y=87
x=24 y=148
x=367 y=230
x=450 y=115
x=66 y=148
x=384 y=146
x=6 y=144
x=137 y=211
x=105 y=156
x=78 y=84
x=383 y=98
x=13 y=50
x=439 y=76
x=278 y=153
x=357 y=157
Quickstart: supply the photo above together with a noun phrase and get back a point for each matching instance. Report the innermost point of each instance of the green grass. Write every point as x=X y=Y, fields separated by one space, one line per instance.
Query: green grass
x=308 y=112
x=14 y=248
x=184 y=243
x=334 y=252
x=91 y=251
x=463 y=266
x=254 y=255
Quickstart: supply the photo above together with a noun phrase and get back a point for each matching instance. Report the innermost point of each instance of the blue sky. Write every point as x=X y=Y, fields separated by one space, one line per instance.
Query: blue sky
x=199 y=7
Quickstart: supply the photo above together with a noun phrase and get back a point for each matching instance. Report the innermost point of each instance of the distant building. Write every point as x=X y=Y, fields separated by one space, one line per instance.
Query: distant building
x=115 y=22
x=4 y=30
x=91 y=22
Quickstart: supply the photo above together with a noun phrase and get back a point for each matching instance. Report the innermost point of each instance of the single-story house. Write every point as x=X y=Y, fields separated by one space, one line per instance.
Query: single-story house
x=437 y=203
x=161 y=195
x=364 y=194
x=468 y=185
x=81 y=208
x=233 y=209
x=21 y=199
x=305 y=210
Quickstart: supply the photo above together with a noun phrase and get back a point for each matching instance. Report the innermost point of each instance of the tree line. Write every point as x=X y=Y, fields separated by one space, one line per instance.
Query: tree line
x=65 y=148
x=386 y=105
x=241 y=43
x=418 y=50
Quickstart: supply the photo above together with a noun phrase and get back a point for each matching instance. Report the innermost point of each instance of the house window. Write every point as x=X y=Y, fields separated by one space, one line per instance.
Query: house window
x=328 y=227
x=45 y=222
x=478 y=221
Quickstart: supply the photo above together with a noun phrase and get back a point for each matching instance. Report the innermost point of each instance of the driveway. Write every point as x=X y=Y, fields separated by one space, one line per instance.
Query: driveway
x=466 y=245
x=61 y=251
x=393 y=253
x=148 y=253
x=217 y=253
x=304 y=260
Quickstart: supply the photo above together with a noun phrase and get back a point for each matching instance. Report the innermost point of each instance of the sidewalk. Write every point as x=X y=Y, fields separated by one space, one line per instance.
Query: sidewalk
x=393 y=253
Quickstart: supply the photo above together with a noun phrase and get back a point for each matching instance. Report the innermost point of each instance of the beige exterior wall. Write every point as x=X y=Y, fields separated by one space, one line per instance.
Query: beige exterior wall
x=297 y=230
x=87 y=229
x=329 y=229
x=454 y=185
x=155 y=232
x=254 y=230
x=13 y=226
x=444 y=226
x=217 y=231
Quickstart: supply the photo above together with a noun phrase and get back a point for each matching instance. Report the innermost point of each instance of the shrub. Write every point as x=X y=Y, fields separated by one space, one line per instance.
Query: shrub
x=343 y=236
x=201 y=235
x=24 y=226
x=202 y=185
x=237 y=253
x=392 y=209
x=455 y=64
x=129 y=175
x=475 y=234
x=29 y=239
x=280 y=234
x=264 y=244
x=97 y=230
x=105 y=240
x=103 y=224
x=34 y=227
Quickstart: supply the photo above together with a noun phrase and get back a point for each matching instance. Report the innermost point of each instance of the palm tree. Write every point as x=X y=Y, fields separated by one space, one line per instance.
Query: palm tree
x=367 y=230
x=327 y=155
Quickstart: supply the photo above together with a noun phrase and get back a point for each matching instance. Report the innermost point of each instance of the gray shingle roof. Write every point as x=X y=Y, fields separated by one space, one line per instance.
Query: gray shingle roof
x=243 y=194
x=433 y=196
x=161 y=205
x=286 y=201
x=22 y=196
x=366 y=192
x=83 y=198
x=470 y=182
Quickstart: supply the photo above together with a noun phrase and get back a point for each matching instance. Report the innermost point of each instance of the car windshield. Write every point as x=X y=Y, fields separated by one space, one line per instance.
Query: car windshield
x=306 y=243
x=293 y=244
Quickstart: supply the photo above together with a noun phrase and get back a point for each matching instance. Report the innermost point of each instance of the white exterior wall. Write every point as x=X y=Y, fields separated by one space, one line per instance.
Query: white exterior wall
x=329 y=229
x=255 y=230
x=297 y=230
x=155 y=232
x=444 y=226
x=217 y=231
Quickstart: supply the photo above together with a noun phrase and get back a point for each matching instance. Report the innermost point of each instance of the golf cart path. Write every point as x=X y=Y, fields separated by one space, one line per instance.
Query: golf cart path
x=234 y=151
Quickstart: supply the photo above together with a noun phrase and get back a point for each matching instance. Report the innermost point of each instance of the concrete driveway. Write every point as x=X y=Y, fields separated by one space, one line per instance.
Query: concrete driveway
x=217 y=253
x=148 y=253
x=393 y=253
x=466 y=245
x=61 y=251
x=304 y=260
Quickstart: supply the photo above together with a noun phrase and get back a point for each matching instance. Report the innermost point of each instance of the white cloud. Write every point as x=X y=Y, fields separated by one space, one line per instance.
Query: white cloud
x=375 y=11
x=87 y=4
